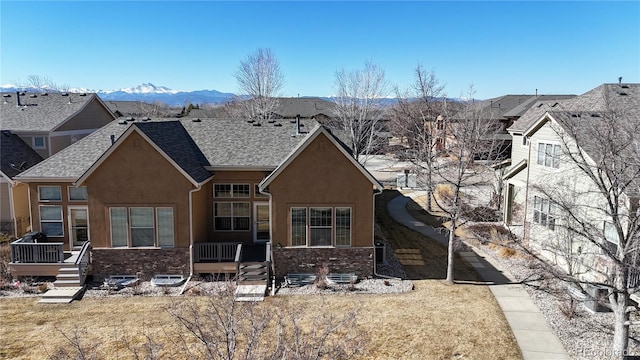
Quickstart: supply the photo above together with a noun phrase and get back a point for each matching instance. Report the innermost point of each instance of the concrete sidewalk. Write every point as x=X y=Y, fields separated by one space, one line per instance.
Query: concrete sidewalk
x=534 y=337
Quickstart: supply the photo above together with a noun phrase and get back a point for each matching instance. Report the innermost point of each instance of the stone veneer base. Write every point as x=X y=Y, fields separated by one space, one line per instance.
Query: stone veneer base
x=142 y=262
x=358 y=260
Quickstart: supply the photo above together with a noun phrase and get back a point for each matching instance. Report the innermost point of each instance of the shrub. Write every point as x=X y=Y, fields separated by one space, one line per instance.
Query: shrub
x=321 y=277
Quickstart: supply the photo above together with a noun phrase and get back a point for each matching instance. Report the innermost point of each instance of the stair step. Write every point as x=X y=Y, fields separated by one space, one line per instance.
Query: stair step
x=55 y=300
x=66 y=283
x=69 y=269
x=252 y=266
x=70 y=276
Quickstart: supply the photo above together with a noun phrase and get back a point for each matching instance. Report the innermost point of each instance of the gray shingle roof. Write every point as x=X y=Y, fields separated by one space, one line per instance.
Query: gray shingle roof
x=308 y=108
x=40 y=113
x=172 y=138
x=15 y=155
x=223 y=142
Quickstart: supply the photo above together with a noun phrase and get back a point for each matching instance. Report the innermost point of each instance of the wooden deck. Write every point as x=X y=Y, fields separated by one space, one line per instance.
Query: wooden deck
x=214 y=267
x=42 y=269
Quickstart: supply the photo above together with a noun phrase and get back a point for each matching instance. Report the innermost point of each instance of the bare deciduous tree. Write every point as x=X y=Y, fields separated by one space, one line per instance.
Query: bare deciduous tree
x=358 y=111
x=418 y=118
x=259 y=76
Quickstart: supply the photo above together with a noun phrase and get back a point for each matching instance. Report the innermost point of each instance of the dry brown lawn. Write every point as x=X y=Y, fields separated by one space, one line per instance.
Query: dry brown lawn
x=436 y=321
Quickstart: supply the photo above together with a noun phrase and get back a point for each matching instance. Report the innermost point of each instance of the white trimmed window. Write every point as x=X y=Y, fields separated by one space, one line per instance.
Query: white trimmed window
x=50 y=193
x=298 y=226
x=320 y=226
x=141 y=227
x=544 y=212
x=343 y=226
x=77 y=193
x=231 y=216
x=39 y=142
x=611 y=236
x=51 y=220
x=549 y=155
x=231 y=191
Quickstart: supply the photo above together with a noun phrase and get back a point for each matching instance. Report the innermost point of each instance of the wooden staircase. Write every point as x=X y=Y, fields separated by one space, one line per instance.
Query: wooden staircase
x=69 y=283
x=252 y=281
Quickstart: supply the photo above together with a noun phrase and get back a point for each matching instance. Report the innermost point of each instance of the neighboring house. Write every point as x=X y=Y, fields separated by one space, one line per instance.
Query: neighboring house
x=15 y=157
x=140 y=109
x=540 y=167
x=51 y=122
x=500 y=113
x=178 y=196
x=305 y=107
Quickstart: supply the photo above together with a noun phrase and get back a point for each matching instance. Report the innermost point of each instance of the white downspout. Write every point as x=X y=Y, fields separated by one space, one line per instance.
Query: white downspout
x=198 y=188
x=273 y=281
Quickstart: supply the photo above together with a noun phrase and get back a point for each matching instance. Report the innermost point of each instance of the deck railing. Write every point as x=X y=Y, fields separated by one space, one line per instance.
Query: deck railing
x=218 y=252
x=83 y=261
x=28 y=252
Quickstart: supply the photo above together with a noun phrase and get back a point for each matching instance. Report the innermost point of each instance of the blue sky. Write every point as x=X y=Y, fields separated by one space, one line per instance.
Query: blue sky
x=500 y=47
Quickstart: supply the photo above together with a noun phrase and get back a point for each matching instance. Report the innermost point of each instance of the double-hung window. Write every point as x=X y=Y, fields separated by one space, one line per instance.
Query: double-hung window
x=231 y=191
x=320 y=226
x=231 y=216
x=544 y=212
x=549 y=155
x=51 y=220
x=611 y=237
x=141 y=226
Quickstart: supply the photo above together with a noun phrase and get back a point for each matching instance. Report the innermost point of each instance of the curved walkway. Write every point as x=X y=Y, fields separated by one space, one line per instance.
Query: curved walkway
x=534 y=337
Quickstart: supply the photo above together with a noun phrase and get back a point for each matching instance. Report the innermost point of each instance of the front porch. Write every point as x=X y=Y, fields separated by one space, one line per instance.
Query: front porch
x=228 y=258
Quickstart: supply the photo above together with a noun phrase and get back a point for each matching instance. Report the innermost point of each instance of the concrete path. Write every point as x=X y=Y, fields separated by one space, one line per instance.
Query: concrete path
x=534 y=337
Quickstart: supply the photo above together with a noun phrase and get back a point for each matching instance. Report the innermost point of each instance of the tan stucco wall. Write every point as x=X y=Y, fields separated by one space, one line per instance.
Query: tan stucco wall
x=5 y=203
x=200 y=203
x=21 y=208
x=135 y=174
x=234 y=177
x=322 y=176
x=93 y=116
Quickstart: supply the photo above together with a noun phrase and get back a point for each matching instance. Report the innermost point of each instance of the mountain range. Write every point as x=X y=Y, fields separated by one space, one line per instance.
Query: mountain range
x=146 y=92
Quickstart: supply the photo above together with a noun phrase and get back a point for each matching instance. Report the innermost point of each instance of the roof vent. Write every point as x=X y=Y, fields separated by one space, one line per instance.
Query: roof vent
x=251 y=121
x=6 y=95
x=554 y=104
x=33 y=96
x=277 y=124
x=256 y=124
x=575 y=115
x=622 y=93
x=624 y=86
x=595 y=115
x=196 y=120
x=271 y=121
x=122 y=122
x=83 y=94
x=130 y=119
x=22 y=94
x=64 y=94
x=146 y=119
x=44 y=94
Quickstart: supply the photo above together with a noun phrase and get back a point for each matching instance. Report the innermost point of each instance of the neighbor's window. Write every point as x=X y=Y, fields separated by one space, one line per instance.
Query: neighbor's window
x=343 y=226
x=231 y=191
x=549 y=155
x=50 y=193
x=51 y=220
x=77 y=193
x=298 y=226
x=320 y=226
x=544 y=212
x=611 y=235
x=39 y=143
x=231 y=216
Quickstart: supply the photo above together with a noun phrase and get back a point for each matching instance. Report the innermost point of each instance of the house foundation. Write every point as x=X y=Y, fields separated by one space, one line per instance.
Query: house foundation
x=142 y=262
x=310 y=260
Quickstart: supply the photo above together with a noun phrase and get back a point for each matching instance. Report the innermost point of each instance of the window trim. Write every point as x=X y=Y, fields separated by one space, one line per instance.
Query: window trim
x=128 y=227
x=77 y=187
x=547 y=210
x=556 y=152
x=232 y=216
x=61 y=221
x=331 y=226
x=152 y=227
x=308 y=227
x=232 y=192
x=37 y=147
x=40 y=199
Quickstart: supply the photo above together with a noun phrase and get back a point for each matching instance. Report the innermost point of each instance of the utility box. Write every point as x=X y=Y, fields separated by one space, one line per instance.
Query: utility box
x=380 y=253
x=596 y=298
x=406 y=181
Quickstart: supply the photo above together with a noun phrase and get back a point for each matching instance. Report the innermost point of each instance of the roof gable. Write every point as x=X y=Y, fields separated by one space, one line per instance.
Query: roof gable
x=42 y=112
x=172 y=141
x=308 y=140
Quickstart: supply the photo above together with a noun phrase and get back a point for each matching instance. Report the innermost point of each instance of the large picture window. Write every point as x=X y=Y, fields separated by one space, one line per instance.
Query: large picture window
x=549 y=155
x=51 y=220
x=320 y=226
x=49 y=193
x=544 y=212
x=77 y=193
x=141 y=227
x=231 y=216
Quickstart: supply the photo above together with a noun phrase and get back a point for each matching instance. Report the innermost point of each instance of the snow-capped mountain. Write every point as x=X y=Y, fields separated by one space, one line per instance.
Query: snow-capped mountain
x=146 y=92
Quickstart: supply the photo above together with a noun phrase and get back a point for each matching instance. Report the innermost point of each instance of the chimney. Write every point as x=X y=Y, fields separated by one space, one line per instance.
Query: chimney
x=18 y=98
x=619 y=79
x=298 y=124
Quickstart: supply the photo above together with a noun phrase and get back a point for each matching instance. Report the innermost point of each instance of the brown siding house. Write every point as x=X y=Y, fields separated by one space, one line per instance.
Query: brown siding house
x=171 y=196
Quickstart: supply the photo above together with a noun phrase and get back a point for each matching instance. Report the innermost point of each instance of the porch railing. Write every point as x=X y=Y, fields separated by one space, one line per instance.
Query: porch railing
x=29 y=252
x=83 y=261
x=218 y=252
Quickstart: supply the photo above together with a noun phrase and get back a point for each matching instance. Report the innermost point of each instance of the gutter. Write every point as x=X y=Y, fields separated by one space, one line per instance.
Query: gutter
x=198 y=188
